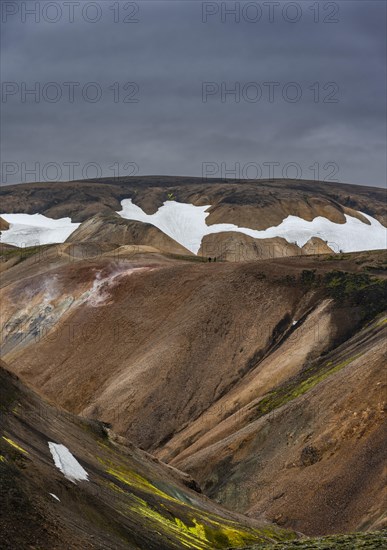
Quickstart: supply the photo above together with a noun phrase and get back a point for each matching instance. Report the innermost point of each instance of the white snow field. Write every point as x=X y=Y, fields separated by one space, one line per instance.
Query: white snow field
x=186 y=224
x=35 y=229
x=67 y=463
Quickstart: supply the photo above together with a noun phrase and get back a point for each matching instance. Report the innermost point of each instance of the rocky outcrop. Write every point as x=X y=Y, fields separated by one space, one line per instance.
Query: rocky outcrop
x=315 y=245
x=4 y=225
x=237 y=247
x=114 y=230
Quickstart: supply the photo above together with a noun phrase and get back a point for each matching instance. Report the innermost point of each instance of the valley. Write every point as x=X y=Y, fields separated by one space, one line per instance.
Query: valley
x=259 y=375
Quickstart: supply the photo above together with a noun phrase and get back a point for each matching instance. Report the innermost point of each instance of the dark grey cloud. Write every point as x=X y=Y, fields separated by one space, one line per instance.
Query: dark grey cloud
x=169 y=53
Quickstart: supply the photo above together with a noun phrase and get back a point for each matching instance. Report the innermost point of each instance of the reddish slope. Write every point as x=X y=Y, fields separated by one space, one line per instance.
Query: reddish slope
x=178 y=356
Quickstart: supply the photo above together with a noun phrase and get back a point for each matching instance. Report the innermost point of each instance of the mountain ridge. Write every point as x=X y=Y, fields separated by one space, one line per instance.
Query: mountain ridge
x=116 y=189
x=260 y=374
x=180 y=347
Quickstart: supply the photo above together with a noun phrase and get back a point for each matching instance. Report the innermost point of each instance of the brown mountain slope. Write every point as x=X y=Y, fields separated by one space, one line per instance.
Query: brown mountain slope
x=112 y=229
x=250 y=203
x=168 y=320
x=178 y=357
x=3 y=225
x=309 y=452
x=237 y=247
x=128 y=500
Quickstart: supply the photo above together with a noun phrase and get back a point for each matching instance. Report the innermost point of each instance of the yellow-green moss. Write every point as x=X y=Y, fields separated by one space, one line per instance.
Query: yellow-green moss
x=297 y=387
x=136 y=481
x=116 y=488
x=175 y=517
x=200 y=533
x=170 y=526
x=15 y=445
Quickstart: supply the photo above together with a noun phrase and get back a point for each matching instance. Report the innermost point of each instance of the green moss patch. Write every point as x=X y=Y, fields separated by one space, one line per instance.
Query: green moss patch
x=298 y=386
x=161 y=509
x=15 y=445
x=201 y=531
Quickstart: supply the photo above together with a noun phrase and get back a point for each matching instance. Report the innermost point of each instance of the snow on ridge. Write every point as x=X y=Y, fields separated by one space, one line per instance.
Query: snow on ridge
x=186 y=224
x=36 y=229
x=67 y=463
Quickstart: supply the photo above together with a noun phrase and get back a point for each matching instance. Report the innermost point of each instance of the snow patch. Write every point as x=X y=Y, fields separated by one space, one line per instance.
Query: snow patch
x=186 y=224
x=54 y=496
x=67 y=463
x=35 y=229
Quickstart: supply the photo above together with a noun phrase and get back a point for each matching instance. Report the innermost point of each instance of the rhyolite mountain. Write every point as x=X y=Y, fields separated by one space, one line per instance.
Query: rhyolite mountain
x=128 y=499
x=254 y=205
x=262 y=379
x=232 y=201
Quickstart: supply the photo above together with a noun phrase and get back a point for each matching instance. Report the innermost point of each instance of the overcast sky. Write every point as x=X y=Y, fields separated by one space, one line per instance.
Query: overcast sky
x=309 y=89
